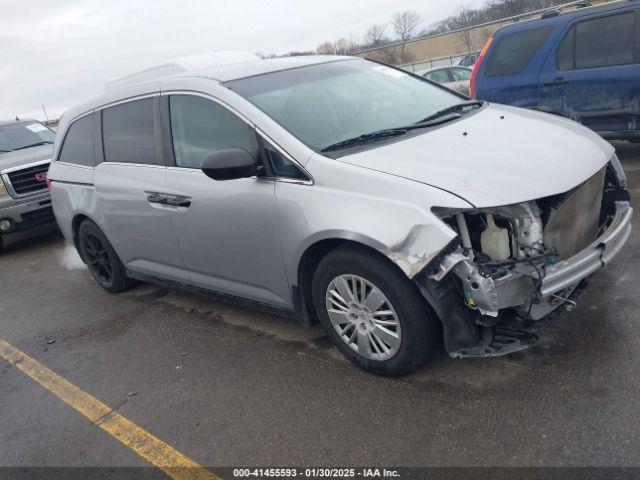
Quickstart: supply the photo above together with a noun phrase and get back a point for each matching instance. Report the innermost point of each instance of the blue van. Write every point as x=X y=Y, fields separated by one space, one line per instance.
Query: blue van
x=583 y=64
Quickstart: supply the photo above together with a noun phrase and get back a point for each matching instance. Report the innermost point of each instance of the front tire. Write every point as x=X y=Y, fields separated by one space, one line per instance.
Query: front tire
x=101 y=259
x=372 y=312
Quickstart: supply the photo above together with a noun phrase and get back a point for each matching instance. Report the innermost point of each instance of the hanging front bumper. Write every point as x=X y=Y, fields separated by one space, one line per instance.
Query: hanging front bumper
x=571 y=271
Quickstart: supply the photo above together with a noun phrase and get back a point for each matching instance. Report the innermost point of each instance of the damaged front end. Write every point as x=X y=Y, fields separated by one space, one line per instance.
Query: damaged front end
x=511 y=267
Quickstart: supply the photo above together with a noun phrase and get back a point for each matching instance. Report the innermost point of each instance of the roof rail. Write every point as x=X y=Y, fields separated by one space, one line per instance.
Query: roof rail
x=182 y=64
x=557 y=10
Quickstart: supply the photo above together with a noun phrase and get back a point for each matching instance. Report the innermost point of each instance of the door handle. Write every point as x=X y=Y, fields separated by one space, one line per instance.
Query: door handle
x=557 y=81
x=153 y=197
x=178 y=201
x=168 y=199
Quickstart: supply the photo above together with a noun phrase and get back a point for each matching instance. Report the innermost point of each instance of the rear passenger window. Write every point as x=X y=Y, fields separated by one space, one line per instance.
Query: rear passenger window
x=460 y=74
x=564 y=56
x=200 y=126
x=601 y=42
x=78 y=143
x=514 y=51
x=128 y=133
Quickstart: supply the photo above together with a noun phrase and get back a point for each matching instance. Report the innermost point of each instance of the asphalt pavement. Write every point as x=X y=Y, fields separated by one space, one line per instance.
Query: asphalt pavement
x=227 y=386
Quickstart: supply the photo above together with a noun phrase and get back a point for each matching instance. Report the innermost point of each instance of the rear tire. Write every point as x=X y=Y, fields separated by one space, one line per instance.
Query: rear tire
x=384 y=325
x=101 y=259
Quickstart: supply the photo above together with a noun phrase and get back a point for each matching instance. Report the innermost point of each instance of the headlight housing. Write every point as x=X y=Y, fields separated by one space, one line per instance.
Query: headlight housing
x=3 y=189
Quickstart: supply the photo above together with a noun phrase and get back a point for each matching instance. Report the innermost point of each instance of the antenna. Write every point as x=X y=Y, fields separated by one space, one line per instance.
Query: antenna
x=45 y=112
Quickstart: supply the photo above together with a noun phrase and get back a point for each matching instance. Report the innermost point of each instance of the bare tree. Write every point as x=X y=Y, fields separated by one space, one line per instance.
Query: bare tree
x=405 y=24
x=346 y=46
x=511 y=8
x=492 y=10
x=376 y=36
x=325 y=48
x=436 y=28
x=464 y=22
x=342 y=46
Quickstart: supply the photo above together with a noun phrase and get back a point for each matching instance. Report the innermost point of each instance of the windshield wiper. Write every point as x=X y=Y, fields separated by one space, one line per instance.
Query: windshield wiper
x=390 y=132
x=380 y=134
x=453 y=108
x=33 y=145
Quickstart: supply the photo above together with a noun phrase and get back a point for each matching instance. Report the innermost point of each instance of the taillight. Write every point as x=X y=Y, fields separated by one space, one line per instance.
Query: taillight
x=474 y=74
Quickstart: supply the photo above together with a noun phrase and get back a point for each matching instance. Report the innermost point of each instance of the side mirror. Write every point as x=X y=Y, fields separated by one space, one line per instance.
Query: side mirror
x=229 y=164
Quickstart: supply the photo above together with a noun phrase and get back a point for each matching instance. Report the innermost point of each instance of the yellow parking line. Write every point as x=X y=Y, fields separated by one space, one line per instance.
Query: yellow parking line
x=152 y=449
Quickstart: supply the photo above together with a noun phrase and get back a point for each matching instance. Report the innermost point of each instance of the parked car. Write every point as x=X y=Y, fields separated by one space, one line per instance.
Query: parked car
x=341 y=190
x=469 y=60
x=455 y=78
x=25 y=154
x=583 y=64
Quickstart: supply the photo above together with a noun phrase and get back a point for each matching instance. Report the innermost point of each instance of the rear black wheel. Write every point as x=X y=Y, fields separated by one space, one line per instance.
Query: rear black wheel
x=101 y=259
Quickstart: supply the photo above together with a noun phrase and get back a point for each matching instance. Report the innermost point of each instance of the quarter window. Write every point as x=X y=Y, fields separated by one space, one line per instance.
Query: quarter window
x=200 y=126
x=513 y=52
x=281 y=165
x=601 y=42
x=78 y=143
x=128 y=133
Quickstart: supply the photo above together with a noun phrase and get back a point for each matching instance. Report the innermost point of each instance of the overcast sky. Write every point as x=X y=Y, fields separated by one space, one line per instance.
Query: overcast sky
x=58 y=53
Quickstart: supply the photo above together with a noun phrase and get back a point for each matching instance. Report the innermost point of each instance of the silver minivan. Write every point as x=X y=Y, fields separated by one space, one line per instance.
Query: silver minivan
x=395 y=212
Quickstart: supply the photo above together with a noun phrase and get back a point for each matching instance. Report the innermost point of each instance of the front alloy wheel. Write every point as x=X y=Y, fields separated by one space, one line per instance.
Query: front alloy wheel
x=363 y=317
x=372 y=312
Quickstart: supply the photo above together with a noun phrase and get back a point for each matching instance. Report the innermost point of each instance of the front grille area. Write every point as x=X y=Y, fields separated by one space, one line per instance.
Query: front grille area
x=573 y=225
x=37 y=216
x=29 y=180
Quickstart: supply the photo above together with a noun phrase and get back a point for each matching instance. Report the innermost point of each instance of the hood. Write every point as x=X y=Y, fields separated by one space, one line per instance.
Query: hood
x=18 y=158
x=497 y=156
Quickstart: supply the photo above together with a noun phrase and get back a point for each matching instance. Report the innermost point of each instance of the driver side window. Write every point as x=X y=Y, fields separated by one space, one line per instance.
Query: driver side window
x=200 y=126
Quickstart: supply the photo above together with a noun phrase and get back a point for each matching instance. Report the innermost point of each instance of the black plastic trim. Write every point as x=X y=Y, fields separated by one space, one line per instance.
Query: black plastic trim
x=186 y=287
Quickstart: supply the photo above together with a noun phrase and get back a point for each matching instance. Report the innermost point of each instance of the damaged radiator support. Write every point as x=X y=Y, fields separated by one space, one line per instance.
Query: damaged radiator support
x=503 y=297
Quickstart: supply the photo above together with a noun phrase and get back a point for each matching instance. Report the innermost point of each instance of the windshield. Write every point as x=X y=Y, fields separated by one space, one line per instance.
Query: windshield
x=327 y=103
x=15 y=136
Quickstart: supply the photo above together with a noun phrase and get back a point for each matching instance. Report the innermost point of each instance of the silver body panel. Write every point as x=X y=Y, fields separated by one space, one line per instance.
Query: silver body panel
x=229 y=235
x=140 y=232
x=15 y=208
x=247 y=237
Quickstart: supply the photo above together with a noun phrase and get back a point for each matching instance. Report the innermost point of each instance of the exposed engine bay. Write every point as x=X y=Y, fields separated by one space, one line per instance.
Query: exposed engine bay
x=514 y=265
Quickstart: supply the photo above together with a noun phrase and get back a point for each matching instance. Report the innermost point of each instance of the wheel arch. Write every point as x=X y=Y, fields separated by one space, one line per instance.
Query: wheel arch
x=311 y=256
x=76 y=221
